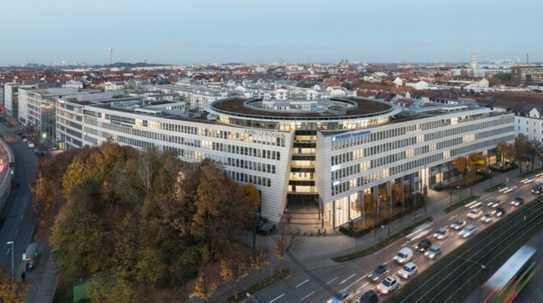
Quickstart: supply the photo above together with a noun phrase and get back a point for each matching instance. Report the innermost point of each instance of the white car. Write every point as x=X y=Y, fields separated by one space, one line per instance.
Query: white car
x=493 y=204
x=388 y=285
x=408 y=270
x=25 y=140
x=433 y=251
x=441 y=233
x=468 y=231
x=31 y=145
x=475 y=213
x=487 y=218
x=458 y=224
x=404 y=255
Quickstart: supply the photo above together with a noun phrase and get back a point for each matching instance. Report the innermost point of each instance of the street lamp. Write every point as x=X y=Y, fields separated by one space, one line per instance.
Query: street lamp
x=12 y=258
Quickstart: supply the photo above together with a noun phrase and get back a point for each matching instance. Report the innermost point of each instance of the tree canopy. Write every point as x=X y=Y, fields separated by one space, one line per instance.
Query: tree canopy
x=139 y=224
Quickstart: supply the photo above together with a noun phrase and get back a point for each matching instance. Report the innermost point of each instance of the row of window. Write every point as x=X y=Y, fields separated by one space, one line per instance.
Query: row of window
x=247 y=178
x=246 y=151
x=467 y=128
x=256 y=166
x=418 y=163
x=494 y=132
x=479 y=145
x=449 y=143
x=346 y=171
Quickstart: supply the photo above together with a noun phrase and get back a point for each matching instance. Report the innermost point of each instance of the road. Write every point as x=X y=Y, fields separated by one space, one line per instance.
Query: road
x=19 y=222
x=532 y=293
x=318 y=284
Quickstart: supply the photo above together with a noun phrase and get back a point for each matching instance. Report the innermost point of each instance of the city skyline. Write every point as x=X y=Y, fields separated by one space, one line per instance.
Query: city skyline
x=267 y=31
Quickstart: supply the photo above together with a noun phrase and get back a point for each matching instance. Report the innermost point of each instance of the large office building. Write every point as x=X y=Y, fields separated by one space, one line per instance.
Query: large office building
x=348 y=157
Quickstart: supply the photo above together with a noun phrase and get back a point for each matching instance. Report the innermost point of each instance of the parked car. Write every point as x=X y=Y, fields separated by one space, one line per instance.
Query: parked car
x=25 y=140
x=487 y=218
x=433 y=251
x=475 y=213
x=441 y=233
x=499 y=212
x=388 y=285
x=339 y=297
x=408 y=270
x=518 y=201
x=423 y=245
x=378 y=273
x=31 y=255
x=468 y=231
x=264 y=226
x=31 y=145
x=369 y=296
x=404 y=255
x=458 y=224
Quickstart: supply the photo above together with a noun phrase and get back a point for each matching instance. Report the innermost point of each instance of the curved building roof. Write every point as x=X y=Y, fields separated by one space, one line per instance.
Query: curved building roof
x=328 y=109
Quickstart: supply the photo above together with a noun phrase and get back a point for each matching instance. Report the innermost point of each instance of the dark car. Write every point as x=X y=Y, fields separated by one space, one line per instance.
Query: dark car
x=517 y=202
x=423 y=245
x=378 y=273
x=369 y=296
x=264 y=226
x=499 y=212
x=537 y=189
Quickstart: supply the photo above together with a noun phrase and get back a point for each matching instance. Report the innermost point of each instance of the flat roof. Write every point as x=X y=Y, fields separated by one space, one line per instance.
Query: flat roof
x=357 y=108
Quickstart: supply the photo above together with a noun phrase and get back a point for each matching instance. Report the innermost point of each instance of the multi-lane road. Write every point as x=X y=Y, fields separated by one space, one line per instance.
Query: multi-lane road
x=319 y=284
x=19 y=222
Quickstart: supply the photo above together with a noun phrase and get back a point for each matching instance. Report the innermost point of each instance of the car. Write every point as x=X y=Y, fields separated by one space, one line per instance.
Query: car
x=264 y=226
x=378 y=273
x=408 y=270
x=487 y=218
x=30 y=256
x=31 y=145
x=388 y=285
x=423 y=245
x=518 y=201
x=404 y=255
x=493 y=204
x=468 y=231
x=499 y=212
x=433 y=251
x=25 y=140
x=475 y=213
x=536 y=189
x=458 y=224
x=441 y=233
x=339 y=297
x=369 y=296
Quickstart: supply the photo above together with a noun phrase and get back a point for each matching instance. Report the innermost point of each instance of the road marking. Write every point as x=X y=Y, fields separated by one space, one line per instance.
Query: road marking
x=350 y=285
x=277 y=298
x=347 y=279
x=307 y=296
x=331 y=280
x=302 y=283
x=364 y=285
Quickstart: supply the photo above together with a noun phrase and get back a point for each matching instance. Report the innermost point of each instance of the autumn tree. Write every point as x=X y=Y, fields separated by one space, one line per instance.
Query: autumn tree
x=11 y=291
x=505 y=151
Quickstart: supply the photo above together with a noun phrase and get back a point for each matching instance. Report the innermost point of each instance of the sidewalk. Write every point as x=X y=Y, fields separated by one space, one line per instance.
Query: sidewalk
x=42 y=280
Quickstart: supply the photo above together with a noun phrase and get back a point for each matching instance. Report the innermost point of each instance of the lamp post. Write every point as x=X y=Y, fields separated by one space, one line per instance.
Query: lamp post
x=12 y=243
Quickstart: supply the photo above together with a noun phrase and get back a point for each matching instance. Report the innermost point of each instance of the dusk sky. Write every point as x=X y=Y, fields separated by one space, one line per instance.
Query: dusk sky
x=266 y=31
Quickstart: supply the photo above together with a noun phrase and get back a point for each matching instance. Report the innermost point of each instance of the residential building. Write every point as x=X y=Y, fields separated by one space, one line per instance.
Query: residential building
x=529 y=122
x=528 y=74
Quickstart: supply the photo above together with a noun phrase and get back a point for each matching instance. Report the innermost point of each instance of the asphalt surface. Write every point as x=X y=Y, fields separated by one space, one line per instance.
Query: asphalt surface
x=320 y=283
x=19 y=221
x=472 y=264
x=532 y=293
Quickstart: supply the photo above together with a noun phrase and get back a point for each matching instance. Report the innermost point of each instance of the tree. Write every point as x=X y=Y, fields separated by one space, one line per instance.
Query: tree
x=476 y=162
x=505 y=151
x=11 y=291
x=461 y=165
x=524 y=151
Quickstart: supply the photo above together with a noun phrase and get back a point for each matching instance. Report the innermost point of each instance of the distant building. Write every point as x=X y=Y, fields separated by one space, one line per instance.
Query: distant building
x=398 y=81
x=11 y=98
x=527 y=74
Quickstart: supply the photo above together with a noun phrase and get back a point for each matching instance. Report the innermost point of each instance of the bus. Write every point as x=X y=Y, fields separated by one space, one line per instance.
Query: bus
x=510 y=279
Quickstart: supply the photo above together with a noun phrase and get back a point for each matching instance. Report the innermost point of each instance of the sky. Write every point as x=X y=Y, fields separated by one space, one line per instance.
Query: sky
x=268 y=31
